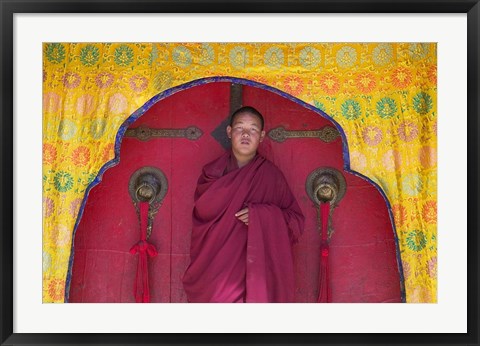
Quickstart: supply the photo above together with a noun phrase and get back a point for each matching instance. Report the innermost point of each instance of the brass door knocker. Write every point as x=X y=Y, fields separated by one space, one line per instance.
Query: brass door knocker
x=148 y=184
x=326 y=185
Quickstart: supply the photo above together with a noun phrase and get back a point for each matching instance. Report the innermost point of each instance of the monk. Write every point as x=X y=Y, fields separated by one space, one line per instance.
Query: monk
x=245 y=221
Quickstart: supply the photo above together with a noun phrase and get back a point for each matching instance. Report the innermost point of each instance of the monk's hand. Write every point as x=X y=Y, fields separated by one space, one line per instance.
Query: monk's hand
x=242 y=215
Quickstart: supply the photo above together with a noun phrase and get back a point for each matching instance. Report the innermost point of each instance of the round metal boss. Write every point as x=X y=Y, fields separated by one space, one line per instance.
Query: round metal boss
x=148 y=184
x=325 y=184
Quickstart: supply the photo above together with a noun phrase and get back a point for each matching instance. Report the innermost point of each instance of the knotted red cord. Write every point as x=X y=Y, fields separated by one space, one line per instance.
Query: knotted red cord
x=323 y=291
x=144 y=250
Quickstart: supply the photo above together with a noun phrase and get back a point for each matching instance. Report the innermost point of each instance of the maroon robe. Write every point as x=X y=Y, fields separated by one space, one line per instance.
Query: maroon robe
x=232 y=262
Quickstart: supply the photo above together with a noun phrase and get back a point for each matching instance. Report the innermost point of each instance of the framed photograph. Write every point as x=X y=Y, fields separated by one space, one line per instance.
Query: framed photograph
x=397 y=83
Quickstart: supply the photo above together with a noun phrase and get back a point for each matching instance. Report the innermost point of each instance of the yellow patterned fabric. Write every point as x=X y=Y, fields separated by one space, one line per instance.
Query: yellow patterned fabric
x=384 y=95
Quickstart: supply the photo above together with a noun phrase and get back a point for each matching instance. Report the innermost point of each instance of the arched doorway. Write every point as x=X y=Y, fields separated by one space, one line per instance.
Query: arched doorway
x=363 y=257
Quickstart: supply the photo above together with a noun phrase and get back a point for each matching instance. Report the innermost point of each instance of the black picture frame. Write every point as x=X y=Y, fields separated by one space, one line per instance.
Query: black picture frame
x=10 y=7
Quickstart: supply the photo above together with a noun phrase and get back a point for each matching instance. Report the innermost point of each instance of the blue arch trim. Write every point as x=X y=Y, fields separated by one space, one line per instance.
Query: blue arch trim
x=202 y=81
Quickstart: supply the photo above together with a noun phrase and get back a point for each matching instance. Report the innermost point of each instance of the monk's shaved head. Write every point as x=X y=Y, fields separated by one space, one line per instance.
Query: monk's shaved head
x=249 y=110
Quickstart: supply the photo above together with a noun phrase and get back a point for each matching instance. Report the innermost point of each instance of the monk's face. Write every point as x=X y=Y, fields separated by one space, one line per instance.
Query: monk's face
x=246 y=134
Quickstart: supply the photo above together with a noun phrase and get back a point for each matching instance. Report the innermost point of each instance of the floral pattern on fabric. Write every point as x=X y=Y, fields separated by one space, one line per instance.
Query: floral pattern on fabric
x=383 y=95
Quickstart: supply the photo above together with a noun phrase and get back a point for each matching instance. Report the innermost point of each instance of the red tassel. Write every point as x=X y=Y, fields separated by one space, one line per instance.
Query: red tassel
x=144 y=250
x=324 y=291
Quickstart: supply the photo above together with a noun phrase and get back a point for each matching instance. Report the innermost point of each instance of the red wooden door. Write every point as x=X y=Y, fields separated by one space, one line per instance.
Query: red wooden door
x=363 y=265
x=363 y=255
